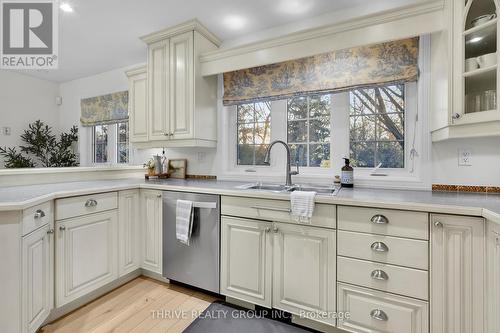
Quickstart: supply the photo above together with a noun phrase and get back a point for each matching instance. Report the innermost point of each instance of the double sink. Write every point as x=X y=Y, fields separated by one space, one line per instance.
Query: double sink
x=279 y=188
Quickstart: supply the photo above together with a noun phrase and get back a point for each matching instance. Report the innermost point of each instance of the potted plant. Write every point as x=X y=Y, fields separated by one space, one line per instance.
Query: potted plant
x=150 y=165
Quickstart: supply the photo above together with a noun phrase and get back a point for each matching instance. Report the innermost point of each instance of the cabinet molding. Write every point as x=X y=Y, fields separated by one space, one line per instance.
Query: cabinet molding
x=457 y=274
x=151 y=225
x=129 y=231
x=138 y=104
x=493 y=294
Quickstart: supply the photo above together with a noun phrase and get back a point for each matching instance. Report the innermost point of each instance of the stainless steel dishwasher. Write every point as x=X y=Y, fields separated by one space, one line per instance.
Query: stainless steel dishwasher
x=197 y=264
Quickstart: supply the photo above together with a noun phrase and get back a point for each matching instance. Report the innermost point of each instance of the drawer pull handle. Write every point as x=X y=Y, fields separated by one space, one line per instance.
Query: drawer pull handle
x=379 y=274
x=379 y=219
x=50 y=231
x=285 y=210
x=39 y=214
x=379 y=247
x=90 y=203
x=378 y=314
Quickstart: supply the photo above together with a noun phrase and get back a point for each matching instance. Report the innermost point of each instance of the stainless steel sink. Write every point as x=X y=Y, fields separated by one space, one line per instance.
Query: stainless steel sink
x=321 y=190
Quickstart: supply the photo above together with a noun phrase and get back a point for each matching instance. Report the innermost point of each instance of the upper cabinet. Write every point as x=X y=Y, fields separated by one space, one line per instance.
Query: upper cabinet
x=473 y=79
x=179 y=107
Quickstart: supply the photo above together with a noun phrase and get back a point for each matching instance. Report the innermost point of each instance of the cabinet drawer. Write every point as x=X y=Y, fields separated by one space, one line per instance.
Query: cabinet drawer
x=399 y=280
x=37 y=216
x=386 y=249
x=374 y=311
x=384 y=222
x=275 y=210
x=85 y=204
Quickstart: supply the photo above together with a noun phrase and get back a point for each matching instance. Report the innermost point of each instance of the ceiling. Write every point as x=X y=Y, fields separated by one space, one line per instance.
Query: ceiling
x=101 y=35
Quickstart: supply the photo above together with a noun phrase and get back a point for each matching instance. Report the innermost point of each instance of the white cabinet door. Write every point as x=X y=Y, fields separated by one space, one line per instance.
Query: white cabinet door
x=138 y=105
x=246 y=262
x=181 y=86
x=158 y=90
x=151 y=226
x=129 y=246
x=457 y=274
x=38 y=278
x=493 y=289
x=304 y=270
x=86 y=256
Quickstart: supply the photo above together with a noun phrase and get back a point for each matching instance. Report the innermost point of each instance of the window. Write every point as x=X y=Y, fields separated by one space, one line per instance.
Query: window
x=377 y=126
x=110 y=143
x=308 y=131
x=253 y=132
x=100 y=138
x=122 y=143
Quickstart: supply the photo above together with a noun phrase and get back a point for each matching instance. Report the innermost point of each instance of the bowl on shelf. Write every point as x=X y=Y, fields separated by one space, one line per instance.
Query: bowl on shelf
x=482 y=19
x=487 y=60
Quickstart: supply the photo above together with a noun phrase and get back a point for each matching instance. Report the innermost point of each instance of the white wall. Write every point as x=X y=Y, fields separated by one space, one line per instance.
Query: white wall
x=23 y=100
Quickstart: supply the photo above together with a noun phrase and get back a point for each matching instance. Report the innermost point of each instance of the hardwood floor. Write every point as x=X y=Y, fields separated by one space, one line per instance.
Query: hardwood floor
x=142 y=305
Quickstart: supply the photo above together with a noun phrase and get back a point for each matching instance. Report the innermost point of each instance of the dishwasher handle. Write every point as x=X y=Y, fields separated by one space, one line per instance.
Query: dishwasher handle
x=207 y=205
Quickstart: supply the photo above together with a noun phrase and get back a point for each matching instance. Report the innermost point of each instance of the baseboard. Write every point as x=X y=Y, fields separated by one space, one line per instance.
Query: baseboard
x=154 y=275
x=240 y=303
x=84 y=300
x=315 y=325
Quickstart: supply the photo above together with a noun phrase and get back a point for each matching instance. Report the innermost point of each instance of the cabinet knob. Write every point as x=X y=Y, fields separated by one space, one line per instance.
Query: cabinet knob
x=267 y=230
x=39 y=214
x=456 y=116
x=158 y=195
x=379 y=219
x=275 y=229
x=438 y=224
x=90 y=203
x=171 y=134
x=166 y=134
x=379 y=274
x=50 y=231
x=62 y=228
x=379 y=247
x=378 y=314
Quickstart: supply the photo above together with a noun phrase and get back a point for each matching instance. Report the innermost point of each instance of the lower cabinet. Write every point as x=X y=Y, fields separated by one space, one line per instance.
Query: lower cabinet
x=38 y=277
x=86 y=254
x=151 y=221
x=493 y=289
x=129 y=231
x=374 y=311
x=304 y=271
x=457 y=274
x=246 y=260
x=285 y=266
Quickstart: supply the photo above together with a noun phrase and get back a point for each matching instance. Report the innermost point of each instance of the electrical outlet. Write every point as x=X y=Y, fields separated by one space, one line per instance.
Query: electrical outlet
x=6 y=130
x=464 y=157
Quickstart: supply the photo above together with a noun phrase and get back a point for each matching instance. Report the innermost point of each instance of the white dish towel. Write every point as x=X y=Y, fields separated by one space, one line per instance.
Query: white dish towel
x=184 y=221
x=302 y=204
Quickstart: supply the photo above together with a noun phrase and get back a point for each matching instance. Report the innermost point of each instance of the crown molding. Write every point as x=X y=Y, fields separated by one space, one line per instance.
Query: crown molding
x=191 y=25
x=139 y=69
x=367 y=21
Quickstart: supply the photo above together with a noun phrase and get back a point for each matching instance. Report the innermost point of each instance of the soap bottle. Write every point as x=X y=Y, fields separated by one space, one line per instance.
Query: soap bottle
x=347 y=174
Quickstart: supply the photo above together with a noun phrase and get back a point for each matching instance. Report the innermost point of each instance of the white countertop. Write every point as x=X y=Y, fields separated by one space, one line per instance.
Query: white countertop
x=474 y=204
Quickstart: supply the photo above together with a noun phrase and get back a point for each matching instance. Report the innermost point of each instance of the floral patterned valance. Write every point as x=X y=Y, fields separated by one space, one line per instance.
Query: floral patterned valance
x=395 y=61
x=105 y=109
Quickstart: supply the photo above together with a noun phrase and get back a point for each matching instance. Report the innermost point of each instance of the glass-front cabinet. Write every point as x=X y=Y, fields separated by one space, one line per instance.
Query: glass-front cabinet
x=475 y=69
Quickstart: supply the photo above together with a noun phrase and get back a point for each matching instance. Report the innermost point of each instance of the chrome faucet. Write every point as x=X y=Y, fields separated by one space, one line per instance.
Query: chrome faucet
x=289 y=172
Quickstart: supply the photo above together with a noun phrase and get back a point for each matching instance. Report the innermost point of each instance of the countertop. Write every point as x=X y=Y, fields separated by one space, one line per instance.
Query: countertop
x=474 y=204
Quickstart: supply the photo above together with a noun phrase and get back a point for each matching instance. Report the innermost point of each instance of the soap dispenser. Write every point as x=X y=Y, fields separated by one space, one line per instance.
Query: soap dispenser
x=347 y=174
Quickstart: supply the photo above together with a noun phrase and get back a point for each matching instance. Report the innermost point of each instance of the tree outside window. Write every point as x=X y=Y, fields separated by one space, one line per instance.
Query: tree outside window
x=254 y=132
x=377 y=122
x=122 y=144
x=309 y=130
x=100 y=143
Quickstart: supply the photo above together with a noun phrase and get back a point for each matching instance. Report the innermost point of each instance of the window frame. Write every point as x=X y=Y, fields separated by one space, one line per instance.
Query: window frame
x=112 y=145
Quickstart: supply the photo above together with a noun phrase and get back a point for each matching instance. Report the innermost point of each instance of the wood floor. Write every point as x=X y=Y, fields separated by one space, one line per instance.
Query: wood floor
x=142 y=305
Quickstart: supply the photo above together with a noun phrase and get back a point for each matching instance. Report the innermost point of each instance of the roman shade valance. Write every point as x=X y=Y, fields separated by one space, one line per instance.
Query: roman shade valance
x=105 y=109
x=395 y=61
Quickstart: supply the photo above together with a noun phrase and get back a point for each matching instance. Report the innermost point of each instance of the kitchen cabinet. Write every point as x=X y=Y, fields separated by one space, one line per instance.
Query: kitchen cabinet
x=38 y=277
x=246 y=260
x=129 y=241
x=473 y=72
x=86 y=254
x=138 y=104
x=182 y=104
x=457 y=274
x=493 y=289
x=151 y=225
x=304 y=270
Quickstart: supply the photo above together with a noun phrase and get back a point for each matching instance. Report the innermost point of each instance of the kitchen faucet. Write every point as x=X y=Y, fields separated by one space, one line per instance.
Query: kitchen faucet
x=289 y=173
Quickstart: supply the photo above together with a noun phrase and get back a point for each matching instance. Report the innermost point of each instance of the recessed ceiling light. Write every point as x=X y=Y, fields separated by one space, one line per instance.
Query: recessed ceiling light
x=235 y=22
x=476 y=39
x=66 y=7
x=295 y=7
